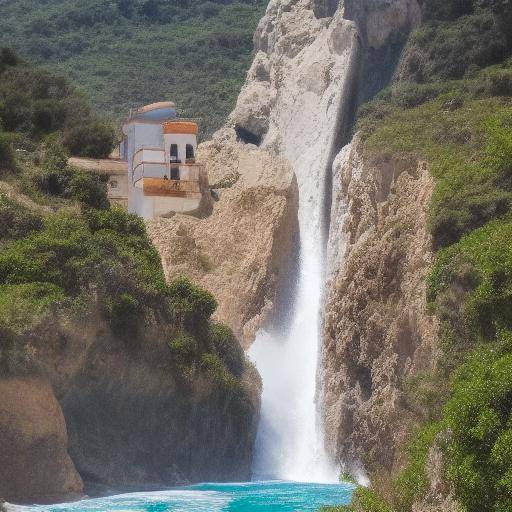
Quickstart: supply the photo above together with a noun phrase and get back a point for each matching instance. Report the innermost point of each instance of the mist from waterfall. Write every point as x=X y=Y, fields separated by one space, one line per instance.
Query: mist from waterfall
x=289 y=444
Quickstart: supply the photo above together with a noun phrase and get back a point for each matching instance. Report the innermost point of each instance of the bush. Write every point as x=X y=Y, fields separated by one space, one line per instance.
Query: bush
x=93 y=139
x=189 y=304
x=227 y=347
x=412 y=483
x=363 y=500
x=480 y=421
x=122 y=312
x=6 y=153
x=17 y=221
x=184 y=349
x=90 y=189
x=444 y=51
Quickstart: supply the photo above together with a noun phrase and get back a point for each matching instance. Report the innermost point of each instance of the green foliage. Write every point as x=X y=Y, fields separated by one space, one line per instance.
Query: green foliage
x=17 y=221
x=214 y=367
x=190 y=304
x=6 y=152
x=54 y=177
x=363 y=500
x=184 y=349
x=481 y=266
x=67 y=256
x=412 y=483
x=36 y=102
x=473 y=185
x=456 y=37
x=126 y=53
x=227 y=347
x=122 y=311
x=93 y=139
x=479 y=417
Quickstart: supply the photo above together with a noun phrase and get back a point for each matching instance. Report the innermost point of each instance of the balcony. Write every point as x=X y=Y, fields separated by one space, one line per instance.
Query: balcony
x=171 y=188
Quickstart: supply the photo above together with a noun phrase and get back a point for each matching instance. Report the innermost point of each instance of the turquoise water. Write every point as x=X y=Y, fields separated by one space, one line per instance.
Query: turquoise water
x=243 y=497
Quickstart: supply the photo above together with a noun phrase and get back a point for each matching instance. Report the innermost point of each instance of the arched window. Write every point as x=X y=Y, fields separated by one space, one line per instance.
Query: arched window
x=113 y=184
x=190 y=153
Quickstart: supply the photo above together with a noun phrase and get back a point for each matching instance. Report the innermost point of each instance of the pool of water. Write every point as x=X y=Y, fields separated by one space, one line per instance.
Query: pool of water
x=239 y=497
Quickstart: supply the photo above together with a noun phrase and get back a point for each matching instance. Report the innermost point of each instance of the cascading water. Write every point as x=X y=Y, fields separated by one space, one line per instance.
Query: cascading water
x=314 y=95
x=289 y=444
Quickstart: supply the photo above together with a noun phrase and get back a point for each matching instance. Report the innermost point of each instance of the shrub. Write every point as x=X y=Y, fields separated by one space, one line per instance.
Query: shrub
x=6 y=153
x=412 y=483
x=93 y=139
x=123 y=312
x=90 y=189
x=443 y=51
x=189 y=304
x=17 y=221
x=184 y=349
x=118 y=220
x=212 y=365
x=227 y=347
x=363 y=500
x=479 y=418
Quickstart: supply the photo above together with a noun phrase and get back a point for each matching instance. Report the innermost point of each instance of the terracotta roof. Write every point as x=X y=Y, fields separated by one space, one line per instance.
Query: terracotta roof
x=180 y=127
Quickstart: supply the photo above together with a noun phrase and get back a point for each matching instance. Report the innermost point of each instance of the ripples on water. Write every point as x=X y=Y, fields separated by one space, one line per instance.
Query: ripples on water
x=244 y=497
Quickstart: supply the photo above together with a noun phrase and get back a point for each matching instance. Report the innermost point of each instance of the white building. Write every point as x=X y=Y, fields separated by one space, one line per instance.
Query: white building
x=160 y=149
x=160 y=174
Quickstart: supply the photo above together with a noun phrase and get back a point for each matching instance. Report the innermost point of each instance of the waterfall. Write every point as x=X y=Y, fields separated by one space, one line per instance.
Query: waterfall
x=289 y=444
x=304 y=74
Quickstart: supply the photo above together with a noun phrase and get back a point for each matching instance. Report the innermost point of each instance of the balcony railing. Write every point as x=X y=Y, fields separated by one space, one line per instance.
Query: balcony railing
x=171 y=188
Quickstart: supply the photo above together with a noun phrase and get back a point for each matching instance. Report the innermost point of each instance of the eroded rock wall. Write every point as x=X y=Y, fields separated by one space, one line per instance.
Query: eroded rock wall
x=116 y=412
x=244 y=250
x=34 y=462
x=377 y=331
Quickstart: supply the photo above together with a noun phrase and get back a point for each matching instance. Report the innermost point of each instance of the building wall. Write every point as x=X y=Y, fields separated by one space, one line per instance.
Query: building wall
x=146 y=135
x=121 y=190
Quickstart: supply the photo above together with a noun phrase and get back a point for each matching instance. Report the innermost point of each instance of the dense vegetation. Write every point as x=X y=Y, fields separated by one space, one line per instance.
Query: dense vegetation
x=64 y=251
x=452 y=107
x=36 y=104
x=125 y=53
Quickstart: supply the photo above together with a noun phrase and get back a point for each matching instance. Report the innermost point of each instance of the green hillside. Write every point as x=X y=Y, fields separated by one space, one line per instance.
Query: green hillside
x=125 y=53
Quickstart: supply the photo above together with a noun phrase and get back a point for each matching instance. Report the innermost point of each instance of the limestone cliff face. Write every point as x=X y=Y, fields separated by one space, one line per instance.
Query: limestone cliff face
x=34 y=462
x=243 y=250
x=377 y=331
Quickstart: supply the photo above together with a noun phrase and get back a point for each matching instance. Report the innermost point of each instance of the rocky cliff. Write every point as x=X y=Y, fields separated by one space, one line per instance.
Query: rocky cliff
x=377 y=331
x=315 y=61
x=34 y=462
x=134 y=418
x=243 y=251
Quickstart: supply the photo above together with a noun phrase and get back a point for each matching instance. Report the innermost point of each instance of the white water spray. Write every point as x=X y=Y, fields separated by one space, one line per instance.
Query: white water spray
x=289 y=444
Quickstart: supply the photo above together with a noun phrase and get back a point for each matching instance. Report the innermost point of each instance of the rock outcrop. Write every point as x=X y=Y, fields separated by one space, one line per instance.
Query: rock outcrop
x=134 y=421
x=377 y=329
x=34 y=462
x=244 y=250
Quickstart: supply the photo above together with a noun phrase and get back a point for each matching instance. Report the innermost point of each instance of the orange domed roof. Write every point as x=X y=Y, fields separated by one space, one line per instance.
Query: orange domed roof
x=182 y=127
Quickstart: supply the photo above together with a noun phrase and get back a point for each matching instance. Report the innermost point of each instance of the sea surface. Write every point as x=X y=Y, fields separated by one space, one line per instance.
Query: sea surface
x=272 y=496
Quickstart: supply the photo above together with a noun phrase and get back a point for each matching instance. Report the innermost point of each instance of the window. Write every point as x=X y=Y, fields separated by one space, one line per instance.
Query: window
x=190 y=152
x=113 y=184
x=174 y=154
x=175 y=172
